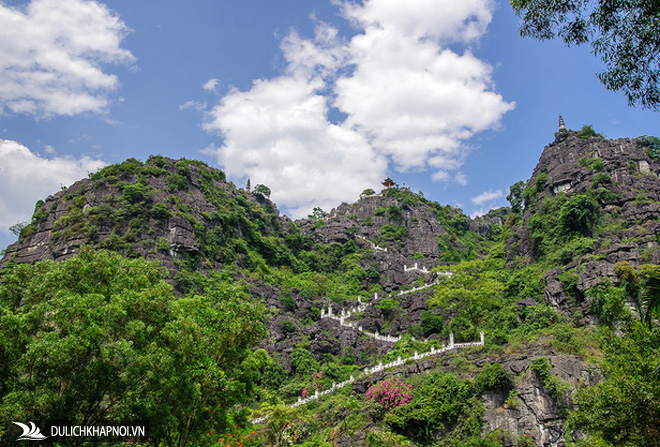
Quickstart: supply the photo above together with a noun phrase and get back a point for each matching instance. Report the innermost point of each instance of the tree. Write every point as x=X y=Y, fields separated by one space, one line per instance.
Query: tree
x=623 y=408
x=318 y=213
x=623 y=33
x=579 y=214
x=471 y=289
x=262 y=189
x=515 y=196
x=17 y=228
x=99 y=339
x=651 y=299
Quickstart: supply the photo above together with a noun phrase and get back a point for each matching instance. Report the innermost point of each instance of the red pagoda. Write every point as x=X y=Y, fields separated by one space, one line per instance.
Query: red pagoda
x=388 y=182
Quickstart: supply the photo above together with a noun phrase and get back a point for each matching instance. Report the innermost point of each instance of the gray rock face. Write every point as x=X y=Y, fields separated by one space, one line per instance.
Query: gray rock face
x=625 y=178
x=95 y=212
x=535 y=412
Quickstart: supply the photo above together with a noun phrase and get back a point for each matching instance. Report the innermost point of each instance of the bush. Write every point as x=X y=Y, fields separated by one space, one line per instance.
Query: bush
x=160 y=211
x=288 y=302
x=303 y=362
x=388 y=306
x=652 y=146
x=262 y=190
x=493 y=377
x=541 y=366
x=394 y=212
x=587 y=132
x=579 y=214
x=600 y=179
x=389 y=394
x=134 y=193
x=431 y=323
x=163 y=245
x=288 y=327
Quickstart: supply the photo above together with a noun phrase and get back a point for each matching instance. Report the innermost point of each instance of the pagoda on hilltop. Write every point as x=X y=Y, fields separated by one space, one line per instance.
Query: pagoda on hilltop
x=388 y=183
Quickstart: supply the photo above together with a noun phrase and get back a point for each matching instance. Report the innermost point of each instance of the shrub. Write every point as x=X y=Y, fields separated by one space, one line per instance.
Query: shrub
x=600 y=179
x=579 y=214
x=587 y=132
x=288 y=302
x=134 y=193
x=388 y=305
x=541 y=366
x=394 y=212
x=303 y=362
x=177 y=182
x=493 y=377
x=163 y=245
x=262 y=190
x=431 y=323
x=288 y=327
x=652 y=146
x=390 y=394
x=27 y=231
x=160 y=211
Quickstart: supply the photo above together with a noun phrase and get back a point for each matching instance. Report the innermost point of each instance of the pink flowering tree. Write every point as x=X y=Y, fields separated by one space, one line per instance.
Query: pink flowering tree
x=389 y=394
x=316 y=384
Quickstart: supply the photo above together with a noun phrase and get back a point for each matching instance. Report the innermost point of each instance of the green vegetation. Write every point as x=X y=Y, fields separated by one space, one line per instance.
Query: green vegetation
x=181 y=357
x=623 y=34
x=516 y=197
x=587 y=131
x=99 y=339
x=471 y=289
x=623 y=408
x=652 y=146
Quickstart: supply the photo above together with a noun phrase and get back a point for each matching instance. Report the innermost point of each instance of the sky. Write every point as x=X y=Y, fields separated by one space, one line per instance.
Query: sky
x=316 y=100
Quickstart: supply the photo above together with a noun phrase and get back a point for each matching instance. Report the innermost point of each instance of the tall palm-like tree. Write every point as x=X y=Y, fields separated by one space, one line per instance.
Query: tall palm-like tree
x=651 y=299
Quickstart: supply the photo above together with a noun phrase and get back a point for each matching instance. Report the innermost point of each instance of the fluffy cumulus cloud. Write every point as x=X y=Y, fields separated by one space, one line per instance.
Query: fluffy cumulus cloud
x=52 y=54
x=31 y=177
x=406 y=101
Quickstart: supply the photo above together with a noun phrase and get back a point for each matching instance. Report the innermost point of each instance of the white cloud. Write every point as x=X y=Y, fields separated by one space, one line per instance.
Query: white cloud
x=277 y=134
x=408 y=99
x=193 y=105
x=52 y=54
x=30 y=177
x=211 y=85
x=461 y=179
x=487 y=196
x=418 y=101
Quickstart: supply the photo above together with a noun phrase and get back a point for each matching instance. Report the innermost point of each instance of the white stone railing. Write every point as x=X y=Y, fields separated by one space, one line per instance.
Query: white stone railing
x=407 y=269
x=374 y=246
x=380 y=367
x=345 y=314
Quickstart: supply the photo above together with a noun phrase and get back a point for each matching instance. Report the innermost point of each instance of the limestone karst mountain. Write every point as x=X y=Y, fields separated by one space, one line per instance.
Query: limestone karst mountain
x=590 y=209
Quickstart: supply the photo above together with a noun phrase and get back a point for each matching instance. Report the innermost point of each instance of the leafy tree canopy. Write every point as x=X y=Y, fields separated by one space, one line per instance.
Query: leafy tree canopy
x=472 y=289
x=623 y=409
x=623 y=33
x=99 y=339
x=263 y=190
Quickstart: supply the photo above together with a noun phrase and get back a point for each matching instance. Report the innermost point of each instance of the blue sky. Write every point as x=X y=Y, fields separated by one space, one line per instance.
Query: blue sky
x=317 y=100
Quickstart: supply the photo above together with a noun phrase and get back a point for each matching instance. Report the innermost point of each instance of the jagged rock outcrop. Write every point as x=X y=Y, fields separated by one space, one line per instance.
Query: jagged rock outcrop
x=622 y=175
x=149 y=210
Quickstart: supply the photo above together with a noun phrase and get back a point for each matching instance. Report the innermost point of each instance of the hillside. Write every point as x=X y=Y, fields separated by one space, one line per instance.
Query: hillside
x=392 y=279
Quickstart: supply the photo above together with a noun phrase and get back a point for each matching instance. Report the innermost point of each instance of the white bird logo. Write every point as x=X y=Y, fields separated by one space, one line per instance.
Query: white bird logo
x=31 y=433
